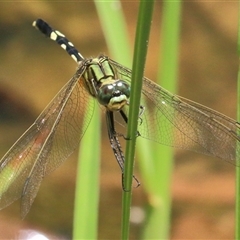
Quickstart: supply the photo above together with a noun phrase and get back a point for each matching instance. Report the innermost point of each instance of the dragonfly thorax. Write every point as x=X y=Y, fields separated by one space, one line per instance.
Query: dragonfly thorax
x=103 y=83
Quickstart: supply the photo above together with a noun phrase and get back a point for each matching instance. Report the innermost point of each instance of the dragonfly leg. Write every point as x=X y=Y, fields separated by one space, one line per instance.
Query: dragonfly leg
x=142 y=109
x=116 y=146
x=136 y=180
x=113 y=138
x=125 y=118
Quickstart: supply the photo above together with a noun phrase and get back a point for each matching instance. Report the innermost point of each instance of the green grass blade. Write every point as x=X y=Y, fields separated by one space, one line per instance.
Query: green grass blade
x=237 y=207
x=159 y=174
x=112 y=18
x=85 y=224
x=140 y=52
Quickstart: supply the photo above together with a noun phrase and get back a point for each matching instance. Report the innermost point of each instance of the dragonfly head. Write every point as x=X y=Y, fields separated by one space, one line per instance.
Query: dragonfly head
x=114 y=94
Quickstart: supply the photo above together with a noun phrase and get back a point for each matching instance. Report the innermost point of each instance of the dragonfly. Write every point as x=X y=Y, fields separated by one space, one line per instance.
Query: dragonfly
x=164 y=118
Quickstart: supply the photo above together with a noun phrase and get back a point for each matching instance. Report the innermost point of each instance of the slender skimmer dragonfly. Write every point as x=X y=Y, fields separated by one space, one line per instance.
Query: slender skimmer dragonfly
x=165 y=118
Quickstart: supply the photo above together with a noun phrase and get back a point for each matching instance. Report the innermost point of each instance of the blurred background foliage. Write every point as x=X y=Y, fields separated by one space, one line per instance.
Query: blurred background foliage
x=33 y=69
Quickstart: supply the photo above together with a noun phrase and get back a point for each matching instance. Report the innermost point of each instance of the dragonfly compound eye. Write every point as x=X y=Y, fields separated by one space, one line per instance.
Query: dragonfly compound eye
x=114 y=95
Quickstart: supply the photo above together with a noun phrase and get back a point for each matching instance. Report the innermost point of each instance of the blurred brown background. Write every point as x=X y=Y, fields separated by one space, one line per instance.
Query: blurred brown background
x=33 y=69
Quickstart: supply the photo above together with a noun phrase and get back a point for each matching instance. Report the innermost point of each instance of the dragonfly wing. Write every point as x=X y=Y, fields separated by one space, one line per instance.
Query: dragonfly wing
x=46 y=144
x=68 y=127
x=184 y=124
x=178 y=122
x=225 y=120
x=35 y=176
x=16 y=165
x=71 y=120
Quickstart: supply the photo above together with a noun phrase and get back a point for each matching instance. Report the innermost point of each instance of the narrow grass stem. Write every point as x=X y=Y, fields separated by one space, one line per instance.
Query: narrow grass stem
x=140 y=52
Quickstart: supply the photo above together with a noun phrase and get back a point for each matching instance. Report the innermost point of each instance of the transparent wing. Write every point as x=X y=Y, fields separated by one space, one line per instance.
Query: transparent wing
x=179 y=122
x=46 y=144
